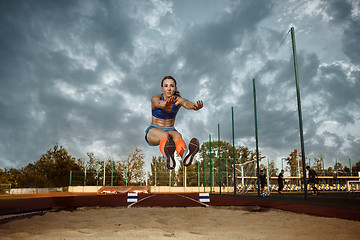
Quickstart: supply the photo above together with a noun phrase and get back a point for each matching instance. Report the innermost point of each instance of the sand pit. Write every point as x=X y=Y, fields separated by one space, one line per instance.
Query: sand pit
x=179 y=223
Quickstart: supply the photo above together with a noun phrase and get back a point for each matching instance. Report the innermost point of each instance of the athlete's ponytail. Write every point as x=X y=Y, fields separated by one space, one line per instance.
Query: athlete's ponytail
x=177 y=93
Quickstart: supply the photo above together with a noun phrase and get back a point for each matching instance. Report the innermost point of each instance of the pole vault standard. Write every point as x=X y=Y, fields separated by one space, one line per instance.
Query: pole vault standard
x=242 y=173
x=299 y=111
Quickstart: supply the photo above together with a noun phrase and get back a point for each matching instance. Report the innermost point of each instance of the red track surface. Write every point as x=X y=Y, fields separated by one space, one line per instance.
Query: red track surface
x=66 y=201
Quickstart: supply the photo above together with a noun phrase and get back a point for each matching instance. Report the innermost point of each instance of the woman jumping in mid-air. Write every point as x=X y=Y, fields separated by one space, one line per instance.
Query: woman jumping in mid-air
x=162 y=131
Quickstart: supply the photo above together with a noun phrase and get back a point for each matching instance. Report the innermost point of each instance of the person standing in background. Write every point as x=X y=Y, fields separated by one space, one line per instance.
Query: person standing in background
x=262 y=177
x=281 y=181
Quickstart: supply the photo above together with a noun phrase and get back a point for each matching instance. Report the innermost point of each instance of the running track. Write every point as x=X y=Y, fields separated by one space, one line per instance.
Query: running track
x=69 y=201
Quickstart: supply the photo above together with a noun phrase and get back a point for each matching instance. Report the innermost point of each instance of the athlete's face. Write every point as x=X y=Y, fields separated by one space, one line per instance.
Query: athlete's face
x=168 y=87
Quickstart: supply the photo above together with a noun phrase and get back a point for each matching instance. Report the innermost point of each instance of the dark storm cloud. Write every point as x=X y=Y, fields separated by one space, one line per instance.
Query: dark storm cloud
x=338 y=10
x=354 y=146
x=351 y=45
x=339 y=94
x=42 y=41
x=206 y=50
x=341 y=13
x=328 y=91
x=82 y=73
x=206 y=46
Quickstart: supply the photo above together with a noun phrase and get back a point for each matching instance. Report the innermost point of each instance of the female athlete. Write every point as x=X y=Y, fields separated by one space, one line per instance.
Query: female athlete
x=162 y=131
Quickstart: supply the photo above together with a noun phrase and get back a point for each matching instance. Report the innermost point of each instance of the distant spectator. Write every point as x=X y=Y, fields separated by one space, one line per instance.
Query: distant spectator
x=262 y=178
x=312 y=180
x=281 y=181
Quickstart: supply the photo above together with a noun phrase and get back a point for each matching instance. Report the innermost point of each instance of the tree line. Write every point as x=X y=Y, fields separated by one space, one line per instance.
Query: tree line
x=54 y=167
x=294 y=163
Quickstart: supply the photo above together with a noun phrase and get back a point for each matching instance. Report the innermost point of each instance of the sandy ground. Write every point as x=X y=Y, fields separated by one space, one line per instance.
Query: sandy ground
x=179 y=223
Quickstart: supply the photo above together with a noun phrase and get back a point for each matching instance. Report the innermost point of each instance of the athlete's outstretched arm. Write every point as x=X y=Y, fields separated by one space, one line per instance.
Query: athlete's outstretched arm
x=158 y=103
x=190 y=105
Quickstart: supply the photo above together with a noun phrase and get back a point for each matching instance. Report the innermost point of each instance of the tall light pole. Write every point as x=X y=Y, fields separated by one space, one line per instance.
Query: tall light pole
x=299 y=111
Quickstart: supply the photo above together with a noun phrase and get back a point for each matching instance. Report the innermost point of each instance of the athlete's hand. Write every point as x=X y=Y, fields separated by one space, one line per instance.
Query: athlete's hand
x=198 y=105
x=170 y=101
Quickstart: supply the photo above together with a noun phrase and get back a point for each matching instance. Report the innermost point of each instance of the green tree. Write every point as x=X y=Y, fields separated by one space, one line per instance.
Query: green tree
x=339 y=169
x=242 y=155
x=346 y=171
x=52 y=170
x=2 y=177
x=132 y=167
x=93 y=163
x=93 y=167
x=11 y=176
x=294 y=163
x=55 y=166
x=272 y=169
x=162 y=172
x=210 y=160
x=329 y=171
x=106 y=176
x=318 y=165
x=29 y=177
x=191 y=174
x=355 y=168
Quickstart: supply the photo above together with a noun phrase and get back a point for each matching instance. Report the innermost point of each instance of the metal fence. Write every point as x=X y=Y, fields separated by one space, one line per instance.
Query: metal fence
x=204 y=179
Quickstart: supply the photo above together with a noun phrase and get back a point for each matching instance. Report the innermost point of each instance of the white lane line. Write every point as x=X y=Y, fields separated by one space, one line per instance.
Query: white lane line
x=193 y=200
x=129 y=206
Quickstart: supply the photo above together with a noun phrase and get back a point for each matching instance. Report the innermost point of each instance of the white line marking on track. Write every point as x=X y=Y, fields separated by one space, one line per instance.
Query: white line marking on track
x=129 y=206
x=193 y=200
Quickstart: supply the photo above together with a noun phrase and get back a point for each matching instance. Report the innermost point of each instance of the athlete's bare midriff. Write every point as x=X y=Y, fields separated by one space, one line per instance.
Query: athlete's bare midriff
x=163 y=122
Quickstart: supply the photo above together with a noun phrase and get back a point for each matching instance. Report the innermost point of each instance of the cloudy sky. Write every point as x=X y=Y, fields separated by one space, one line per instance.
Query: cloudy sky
x=82 y=73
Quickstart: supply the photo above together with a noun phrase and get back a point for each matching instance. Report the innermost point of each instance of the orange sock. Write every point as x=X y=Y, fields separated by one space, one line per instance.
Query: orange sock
x=162 y=146
x=180 y=146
